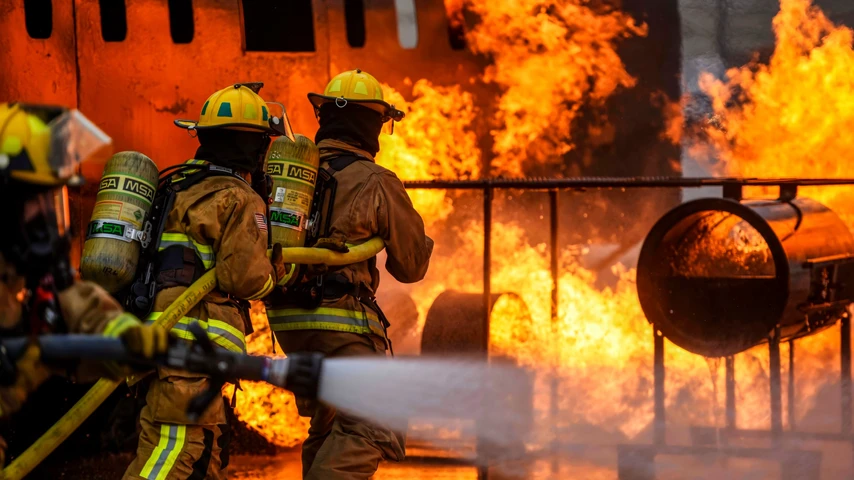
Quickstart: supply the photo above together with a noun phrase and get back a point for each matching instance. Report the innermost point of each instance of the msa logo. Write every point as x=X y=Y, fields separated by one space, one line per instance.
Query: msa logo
x=301 y=173
x=275 y=169
x=109 y=183
x=139 y=188
x=105 y=228
x=285 y=219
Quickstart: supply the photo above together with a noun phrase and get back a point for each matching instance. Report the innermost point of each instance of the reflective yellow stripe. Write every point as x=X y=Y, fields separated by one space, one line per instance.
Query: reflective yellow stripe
x=163 y=457
x=313 y=325
x=284 y=280
x=220 y=332
x=173 y=455
x=324 y=319
x=337 y=312
x=269 y=285
x=120 y=324
x=205 y=252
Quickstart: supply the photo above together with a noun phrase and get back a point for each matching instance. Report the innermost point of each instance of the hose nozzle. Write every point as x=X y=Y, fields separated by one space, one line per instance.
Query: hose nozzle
x=299 y=373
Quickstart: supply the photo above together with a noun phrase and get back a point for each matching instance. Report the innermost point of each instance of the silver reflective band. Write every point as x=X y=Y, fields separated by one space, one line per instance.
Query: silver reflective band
x=217 y=168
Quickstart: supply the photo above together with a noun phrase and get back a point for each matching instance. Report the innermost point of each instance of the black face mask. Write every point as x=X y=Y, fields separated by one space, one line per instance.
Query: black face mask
x=353 y=124
x=39 y=246
x=237 y=149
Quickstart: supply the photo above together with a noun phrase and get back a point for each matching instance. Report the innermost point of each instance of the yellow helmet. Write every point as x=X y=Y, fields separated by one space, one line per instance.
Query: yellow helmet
x=360 y=88
x=239 y=107
x=43 y=145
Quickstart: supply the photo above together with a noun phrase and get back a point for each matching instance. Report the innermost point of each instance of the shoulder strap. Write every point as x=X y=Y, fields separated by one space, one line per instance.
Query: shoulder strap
x=180 y=179
x=340 y=163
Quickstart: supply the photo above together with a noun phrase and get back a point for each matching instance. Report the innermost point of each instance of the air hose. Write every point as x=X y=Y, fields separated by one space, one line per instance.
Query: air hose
x=315 y=256
x=96 y=395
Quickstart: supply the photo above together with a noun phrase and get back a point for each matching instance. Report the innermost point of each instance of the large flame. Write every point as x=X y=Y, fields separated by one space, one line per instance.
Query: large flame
x=790 y=118
x=437 y=141
x=550 y=56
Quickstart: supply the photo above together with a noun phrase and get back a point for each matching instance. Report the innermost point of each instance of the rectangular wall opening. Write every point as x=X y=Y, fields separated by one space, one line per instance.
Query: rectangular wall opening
x=272 y=26
x=456 y=24
x=354 y=17
x=181 y=21
x=38 y=16
x=114 y=21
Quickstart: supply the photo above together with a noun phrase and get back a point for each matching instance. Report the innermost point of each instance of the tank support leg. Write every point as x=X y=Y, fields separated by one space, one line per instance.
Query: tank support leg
x=555 y=384
x=790 y=393
x=845 y=372
x=483 y=469
x=776 y=393
x=730 y=392
x=659 y=423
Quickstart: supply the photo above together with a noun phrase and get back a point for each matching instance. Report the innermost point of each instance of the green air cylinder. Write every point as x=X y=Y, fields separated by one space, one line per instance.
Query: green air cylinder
x=293 y=166
x=112 y=247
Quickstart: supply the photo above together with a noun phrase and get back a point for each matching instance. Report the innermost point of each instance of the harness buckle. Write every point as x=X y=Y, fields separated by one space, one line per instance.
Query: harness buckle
x=145 y=235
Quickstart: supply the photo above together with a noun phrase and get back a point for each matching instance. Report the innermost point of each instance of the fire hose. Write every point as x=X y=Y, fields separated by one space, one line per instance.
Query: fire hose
x=96 y=395
x=299 y=373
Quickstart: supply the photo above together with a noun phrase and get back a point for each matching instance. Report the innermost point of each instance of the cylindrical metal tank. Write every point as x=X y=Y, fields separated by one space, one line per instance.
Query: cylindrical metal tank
x=717 y=276
x=454 y=326
x=454 y=322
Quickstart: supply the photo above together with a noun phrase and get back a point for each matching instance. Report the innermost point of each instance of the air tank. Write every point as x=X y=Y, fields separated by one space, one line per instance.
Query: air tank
x=112 y=248
x=293 y=166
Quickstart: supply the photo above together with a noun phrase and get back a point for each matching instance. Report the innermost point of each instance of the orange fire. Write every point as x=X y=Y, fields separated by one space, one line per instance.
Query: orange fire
x=601 y=344
x=550 y=58
x=791 y=116
x=270 y=411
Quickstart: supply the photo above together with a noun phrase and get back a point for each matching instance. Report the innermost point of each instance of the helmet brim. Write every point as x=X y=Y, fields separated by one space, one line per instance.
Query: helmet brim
x=193 y=125
x=382 y=107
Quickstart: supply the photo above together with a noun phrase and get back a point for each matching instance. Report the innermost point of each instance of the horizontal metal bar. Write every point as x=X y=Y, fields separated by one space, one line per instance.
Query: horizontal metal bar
x=445 y=461
x=727 y=433
x=620 y=182
x=742 y=452
x=830 y=259
x=800 y=435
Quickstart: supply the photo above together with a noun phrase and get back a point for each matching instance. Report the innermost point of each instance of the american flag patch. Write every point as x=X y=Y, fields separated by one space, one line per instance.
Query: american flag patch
x=261 y=221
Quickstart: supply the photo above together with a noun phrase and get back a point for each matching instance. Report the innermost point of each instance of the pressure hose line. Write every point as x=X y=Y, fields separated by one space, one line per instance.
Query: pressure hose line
x=96 y=395
x=298 y=373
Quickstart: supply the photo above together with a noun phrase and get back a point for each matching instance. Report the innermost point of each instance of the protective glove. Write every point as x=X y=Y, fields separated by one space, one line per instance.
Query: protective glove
x=146 y=340
x=329 y=243
x=334 y=244
x=30 y=374
x=284 y=271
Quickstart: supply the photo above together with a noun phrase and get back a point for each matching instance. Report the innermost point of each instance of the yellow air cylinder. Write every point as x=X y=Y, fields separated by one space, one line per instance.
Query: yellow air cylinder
x=112 y=247
x=293 y=166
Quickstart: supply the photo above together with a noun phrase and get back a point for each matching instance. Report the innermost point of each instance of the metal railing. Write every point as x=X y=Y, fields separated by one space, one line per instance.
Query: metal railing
x=733 y=188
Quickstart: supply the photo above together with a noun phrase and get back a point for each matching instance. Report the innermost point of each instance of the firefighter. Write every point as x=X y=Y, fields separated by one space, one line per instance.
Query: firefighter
x=217 y=219
x=40 y=151
x=341 y=318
